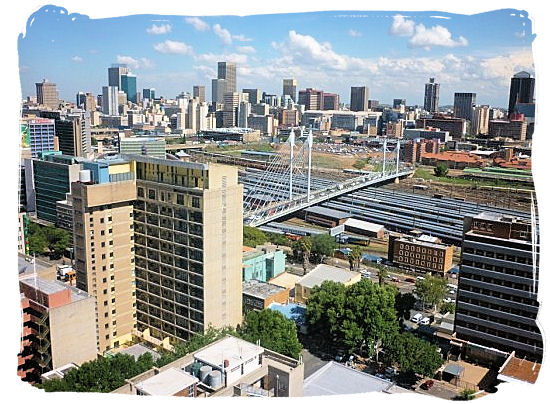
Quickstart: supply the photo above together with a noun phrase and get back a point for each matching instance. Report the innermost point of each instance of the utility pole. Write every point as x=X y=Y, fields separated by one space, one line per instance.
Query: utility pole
x=291 y=141
x=310 y=146
x=384 y=158
x=397 y=157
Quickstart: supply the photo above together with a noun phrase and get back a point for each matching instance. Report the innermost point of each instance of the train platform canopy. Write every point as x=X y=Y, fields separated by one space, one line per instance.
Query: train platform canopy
x=327 y=212
x=362 y=225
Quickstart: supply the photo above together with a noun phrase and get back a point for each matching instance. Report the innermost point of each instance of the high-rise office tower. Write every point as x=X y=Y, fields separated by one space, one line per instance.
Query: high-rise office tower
x=128 y=83
x=149 y=93
x=46 y=94
x=463 y=105
x=90 y=104
x=331 y=101
x=219 y=88
x=200 y=93
x=431 y=96
x=191 y=116
x=109 y=100
x=104 y=253
x=522 y=90
x=497 y=289
x=311 y=98
x=480 y=119
x=397 y=102
x=80 y=99
x=188 y=236
x=228 y=72
x=254 y=95
x=74 y=135
x=115 y=73
x=230 y=109
x=359 y=98
x=41 y=134
x=245 y=109
x=289 y=88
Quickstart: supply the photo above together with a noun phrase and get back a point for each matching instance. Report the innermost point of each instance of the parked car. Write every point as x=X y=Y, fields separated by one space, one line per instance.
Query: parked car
x=425 y=321
x=448 y=300
x=365 y=274
x=420 y=278
x=427 y=385
x=416 y=318
x=395 y=279
x=410 y=280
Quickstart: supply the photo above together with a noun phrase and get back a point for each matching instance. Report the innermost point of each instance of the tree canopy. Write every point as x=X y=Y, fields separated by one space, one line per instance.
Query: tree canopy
x=412 y=354
x=354 y=257
x=441 y=170
x=47 y=240
x=303 y=248
x=253 y=237
x=322 y=246
x=431 y=289
x=273 y=330
x=404 y=303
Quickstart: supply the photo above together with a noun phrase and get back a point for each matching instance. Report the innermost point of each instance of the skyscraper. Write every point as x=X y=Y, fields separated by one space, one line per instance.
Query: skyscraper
x=80 y=99
x=219 y=88
x=230 y=109
x=359 y=98
x=46 y=94
x=480 y=120
x=254 y=95
x=90 y=103
x=109 y=100
x=115 y=73
x=331 y=101
x=74 y=135
x=311 y=98
x=149 y=93
x=431 y=96
x=289 y=88
x=128 y=84
x=41 y=135
x=199 y=92
x=522 y=90
x=228 y=72
x=188 y=238
x=397 y=102
x=463 y=105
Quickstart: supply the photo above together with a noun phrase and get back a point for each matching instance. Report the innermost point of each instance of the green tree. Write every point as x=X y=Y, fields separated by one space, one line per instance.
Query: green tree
x=466 y=395
x=273 y=330
x=253 y=237
x=278 y=239
x=58 y=241
x=325 y=310
x=322 y=246
x=441 y=170
x=447 y=308
x=431 y=290
x=303 y=247
x=382 y=273
x=412 y=354
x=354 y=257
x=404 y=303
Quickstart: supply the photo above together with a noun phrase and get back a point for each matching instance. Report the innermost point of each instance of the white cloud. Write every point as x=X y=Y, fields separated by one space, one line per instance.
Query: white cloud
x=354 y=33
x=223 y=34
x=173 y=47
x=503 y=67
x=422 y=37
x=435 y=36
x=197 y=23
x=401 y=26
x=246 y=49
x=135 y=63
x=241 y=37
x=159 y=29
x=76 y=59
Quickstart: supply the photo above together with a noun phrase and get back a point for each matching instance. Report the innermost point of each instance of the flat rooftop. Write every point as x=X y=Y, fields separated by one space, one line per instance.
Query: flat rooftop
x=323 y=272
x=320 y=210
x=137 y=350
x=361 y=224
x=261 y=290
x=286 y=280
x=521 y=369
x=26 y=267
x=335 y=378
x=232 y=349
x=167 y=383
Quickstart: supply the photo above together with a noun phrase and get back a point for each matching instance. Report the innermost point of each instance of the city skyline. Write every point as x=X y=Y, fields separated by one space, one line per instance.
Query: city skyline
x=173 y=53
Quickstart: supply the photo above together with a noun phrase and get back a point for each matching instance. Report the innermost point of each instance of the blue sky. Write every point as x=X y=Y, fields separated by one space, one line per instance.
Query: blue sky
x=392 y=53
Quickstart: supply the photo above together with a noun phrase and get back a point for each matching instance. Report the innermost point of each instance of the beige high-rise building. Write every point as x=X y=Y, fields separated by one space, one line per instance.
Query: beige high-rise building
x=480 y=119
x=289 y=88
x=188 y=239
x=230 y=109
x=46 y=94
x=104 y=253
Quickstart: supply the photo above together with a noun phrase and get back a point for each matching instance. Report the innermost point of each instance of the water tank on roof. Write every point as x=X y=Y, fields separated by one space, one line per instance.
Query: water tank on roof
x=203 y=373
x=215 y=379
x=85 y=176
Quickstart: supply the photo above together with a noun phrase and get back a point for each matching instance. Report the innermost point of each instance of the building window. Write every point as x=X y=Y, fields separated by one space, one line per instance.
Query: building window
x=140 y=192
x=152 y=194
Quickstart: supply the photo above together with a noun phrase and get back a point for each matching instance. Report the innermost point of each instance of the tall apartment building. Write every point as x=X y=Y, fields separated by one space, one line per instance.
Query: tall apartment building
x=200 y=93
x=104 y=252
x=480 y=120
x=59 y=327
x=188 y=238
x=331 y=101
x=497 y=290
x=109 y=100
x=311 y=98
x=522 y=90
x=289 y=88
x=90 y=104
x=463 y=105
x=254 y=95
x=46 y=94
x=431 y=96
x=115 y=73
x=359 y=99
x=228 y=72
